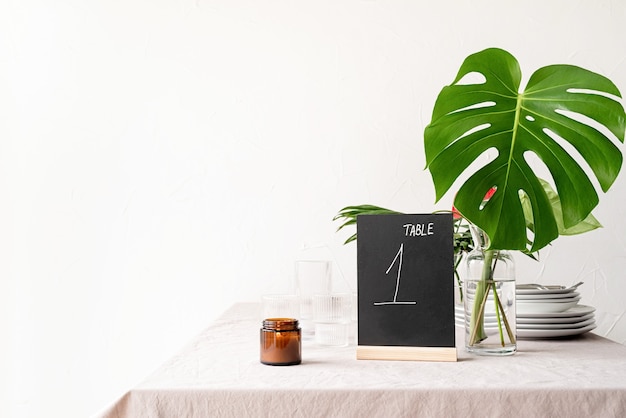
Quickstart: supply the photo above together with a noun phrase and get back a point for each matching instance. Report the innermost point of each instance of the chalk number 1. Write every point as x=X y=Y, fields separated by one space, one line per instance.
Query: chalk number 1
x=395 y=301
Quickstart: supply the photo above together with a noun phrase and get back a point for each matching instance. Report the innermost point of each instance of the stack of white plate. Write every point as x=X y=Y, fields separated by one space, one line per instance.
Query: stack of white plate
x=547 y=312
x=574 y=321
x=551 y=311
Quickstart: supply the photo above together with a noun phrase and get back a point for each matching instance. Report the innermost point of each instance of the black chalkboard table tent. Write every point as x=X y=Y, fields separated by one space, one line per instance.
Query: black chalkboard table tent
x=405 y=287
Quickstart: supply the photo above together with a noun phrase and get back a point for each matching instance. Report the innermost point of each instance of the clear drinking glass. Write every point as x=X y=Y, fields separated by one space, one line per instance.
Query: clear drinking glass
x=332 y=316
x=312 y=277
x=280 y=306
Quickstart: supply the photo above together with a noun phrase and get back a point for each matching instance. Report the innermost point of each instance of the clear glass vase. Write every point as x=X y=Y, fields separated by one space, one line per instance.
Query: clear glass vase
x=489 y=290
x=459 y=274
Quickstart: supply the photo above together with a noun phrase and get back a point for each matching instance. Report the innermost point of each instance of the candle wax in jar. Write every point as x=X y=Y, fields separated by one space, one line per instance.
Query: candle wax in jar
x=281 y=342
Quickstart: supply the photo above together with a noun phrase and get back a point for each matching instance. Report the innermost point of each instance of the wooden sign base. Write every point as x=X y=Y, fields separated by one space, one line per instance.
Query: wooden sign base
x=370 y=352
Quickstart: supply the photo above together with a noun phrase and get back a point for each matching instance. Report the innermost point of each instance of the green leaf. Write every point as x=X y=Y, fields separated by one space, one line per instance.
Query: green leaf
x=588 y=224
x=566 y=115
x=349 y=216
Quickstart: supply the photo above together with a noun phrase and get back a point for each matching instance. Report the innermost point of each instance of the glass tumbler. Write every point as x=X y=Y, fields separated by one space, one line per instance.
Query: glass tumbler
x=332 y=315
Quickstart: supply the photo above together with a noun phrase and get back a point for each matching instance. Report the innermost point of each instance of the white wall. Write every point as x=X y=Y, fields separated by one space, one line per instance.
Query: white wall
x=160 y=160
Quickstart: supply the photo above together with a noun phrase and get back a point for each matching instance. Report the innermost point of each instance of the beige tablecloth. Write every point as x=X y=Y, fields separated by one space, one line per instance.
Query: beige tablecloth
x=219 y=375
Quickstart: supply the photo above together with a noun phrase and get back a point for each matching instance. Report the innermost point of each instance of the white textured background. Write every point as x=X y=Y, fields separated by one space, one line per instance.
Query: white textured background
x=160 y=160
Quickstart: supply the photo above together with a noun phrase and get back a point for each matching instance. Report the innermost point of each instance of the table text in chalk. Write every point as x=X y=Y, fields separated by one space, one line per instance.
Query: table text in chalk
x=419 y=230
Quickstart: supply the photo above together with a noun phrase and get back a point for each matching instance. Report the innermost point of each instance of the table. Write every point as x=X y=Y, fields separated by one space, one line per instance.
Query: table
x=219 y=375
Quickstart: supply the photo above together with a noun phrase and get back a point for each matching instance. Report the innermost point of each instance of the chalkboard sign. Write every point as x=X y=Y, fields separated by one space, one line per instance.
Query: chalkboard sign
x=405 y=287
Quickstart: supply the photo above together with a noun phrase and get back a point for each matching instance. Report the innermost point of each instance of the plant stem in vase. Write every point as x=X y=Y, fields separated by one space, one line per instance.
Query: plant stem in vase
x=490 y=301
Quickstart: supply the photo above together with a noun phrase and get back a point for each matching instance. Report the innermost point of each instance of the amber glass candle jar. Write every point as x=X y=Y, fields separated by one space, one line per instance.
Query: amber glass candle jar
x=281 y=342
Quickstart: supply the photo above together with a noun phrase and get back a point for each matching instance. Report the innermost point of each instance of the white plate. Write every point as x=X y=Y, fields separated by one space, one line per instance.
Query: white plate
x=562 y=300
x=575 y=311
x=588 y=320
x=487 y=317
x=552 y=320
x=542 y=291
x=488 y=325
x=524 y=308
x=578 y=324
x=536 y=322
x=547 y=296
x=552 y=333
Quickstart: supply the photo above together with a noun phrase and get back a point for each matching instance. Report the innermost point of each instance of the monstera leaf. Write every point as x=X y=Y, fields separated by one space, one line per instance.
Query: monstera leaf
x=588 y=224
x=566 y=116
